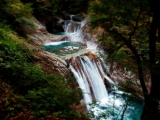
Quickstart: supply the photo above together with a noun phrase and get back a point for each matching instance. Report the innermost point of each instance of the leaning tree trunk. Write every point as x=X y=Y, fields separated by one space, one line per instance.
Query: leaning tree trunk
x=151 y=111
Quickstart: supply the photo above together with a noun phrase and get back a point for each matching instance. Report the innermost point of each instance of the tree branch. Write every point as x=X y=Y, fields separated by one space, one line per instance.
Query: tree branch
x=136 y=26
x=139 y=64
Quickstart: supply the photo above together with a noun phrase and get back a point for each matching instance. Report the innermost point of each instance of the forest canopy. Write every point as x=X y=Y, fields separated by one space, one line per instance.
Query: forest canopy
x=131 y=30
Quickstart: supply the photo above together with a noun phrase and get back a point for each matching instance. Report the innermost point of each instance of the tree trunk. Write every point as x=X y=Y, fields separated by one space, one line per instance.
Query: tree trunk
x=151 y=110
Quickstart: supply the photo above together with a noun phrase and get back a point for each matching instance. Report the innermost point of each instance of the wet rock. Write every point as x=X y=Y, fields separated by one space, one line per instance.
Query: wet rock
x=91 y=56
x=68 y=62
x=64 y=39
x=108 y=85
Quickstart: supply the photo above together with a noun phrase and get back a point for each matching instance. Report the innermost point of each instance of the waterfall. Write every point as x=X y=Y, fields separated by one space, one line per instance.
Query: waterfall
x=89 y=75
x=71 y=17
x=67 y=25
x=101 y=69
x=71 y=26
x=95 y=78
x=83 y=84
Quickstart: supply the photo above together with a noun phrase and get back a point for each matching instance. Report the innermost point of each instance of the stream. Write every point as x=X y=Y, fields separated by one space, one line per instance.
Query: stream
x=102 y=98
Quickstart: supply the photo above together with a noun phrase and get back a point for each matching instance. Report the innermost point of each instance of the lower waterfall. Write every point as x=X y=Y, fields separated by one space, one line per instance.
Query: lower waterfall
x=90 y=78
x=102 y=98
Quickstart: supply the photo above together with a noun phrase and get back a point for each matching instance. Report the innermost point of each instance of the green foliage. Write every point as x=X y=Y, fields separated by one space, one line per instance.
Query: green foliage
x=15 y=66
x=24 y=26
x=116 y=51
x=15 y=13
x=55 y=98
x=18 y=9
x=44 y=7
x=125 y=19
x=11 y=9
x=114 y=12
x=141 y=43
x=31 y=89
x=10 y=103
x=25 y=86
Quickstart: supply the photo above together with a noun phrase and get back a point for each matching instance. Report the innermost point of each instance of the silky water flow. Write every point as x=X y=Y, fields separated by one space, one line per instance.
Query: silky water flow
x=90 y=74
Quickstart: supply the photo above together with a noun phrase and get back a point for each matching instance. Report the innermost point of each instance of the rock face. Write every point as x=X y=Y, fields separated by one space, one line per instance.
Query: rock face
x=41 y=35
x=91 y=56
x=45 y=59
x=51 y=63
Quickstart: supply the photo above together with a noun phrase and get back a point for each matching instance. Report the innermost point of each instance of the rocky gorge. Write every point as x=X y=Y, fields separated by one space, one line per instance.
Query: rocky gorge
x=63 y=31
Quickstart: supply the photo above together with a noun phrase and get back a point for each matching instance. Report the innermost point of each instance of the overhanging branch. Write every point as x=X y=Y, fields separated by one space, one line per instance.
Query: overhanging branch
x=139 y=64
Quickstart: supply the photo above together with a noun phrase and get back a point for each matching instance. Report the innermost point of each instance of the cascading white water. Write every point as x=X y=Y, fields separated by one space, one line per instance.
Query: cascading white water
x=91 y=77
x=71 y=17
x=102 y=71
x=94 y=71
x=68 y=26
x=71 y=26
x=83 y=84
x=95 y=78
x=75 y=33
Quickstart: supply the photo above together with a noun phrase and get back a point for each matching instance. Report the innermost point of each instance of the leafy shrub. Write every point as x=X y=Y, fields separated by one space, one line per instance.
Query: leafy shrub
x=10 y=104
x=24 y=26
x=16 y=68
x=55 y=98
x=11 y=9
x=27 y=86
x=15 y=13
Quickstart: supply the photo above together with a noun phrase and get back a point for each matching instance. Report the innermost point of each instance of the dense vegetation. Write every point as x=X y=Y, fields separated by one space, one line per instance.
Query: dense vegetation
x=131 y=38
x=25 y=88
x=28 y=92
